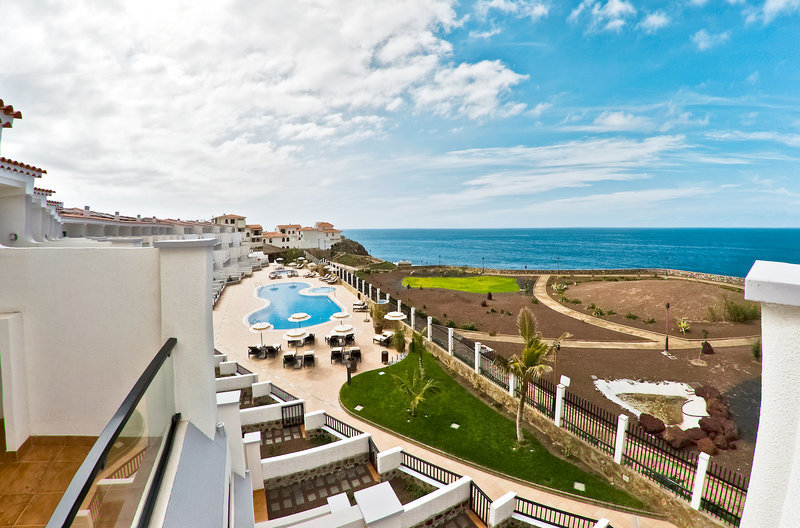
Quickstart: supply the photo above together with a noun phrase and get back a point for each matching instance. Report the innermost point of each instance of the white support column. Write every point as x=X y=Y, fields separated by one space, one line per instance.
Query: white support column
x=388 y=296
x=370 y=292
x=399 y=304
x=561 y=390
x=252 y=455
x=430 y=328
x=378 y=295
x=699 y=479
x=622 y=432
x=502 y=509
x=602 y=523
x=477 y=357
x=450 y=341
x=413 y=316
x=512 y=384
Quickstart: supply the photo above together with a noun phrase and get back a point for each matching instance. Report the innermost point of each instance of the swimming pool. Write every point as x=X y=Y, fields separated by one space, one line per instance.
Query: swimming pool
x=322 y=289
x=285 y=299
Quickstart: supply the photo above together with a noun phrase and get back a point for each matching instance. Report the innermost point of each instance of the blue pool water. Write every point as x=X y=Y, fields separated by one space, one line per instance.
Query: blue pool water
x=285 y=299
x=322 y=289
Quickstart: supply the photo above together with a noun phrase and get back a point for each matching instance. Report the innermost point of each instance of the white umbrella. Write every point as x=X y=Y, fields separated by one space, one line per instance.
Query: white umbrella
x=395 y=316
x=260 y=327
x=311 y=265
x=299 y=318
x=342 y=329
x=295 y=334
x=340 y=316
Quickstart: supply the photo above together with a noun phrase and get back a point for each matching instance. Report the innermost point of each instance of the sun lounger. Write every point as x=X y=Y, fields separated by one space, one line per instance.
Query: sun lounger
x=288 y=359
x=336 y=354
x=350 y=338
x=354 y=353
x=309 y=360
x=310 y=339
x=253 y=351
x=382 y=340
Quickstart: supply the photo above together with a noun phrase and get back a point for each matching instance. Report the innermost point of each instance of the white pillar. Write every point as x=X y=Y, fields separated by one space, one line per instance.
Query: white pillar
x=389 y=459
x=387 y=296
x=252 y=455
x=602 y=523
x=699 y=480
x=512 y=382
x=561 y=390
x=775 y=478
x=502 y=509
x=186 y=271
x=378 y=295
x=399 y=304
x=477 y=357
x=622 y=431
x=228 y=414
x=370 y=292
x=413 y=317
x=430 y=328
x=450 y=341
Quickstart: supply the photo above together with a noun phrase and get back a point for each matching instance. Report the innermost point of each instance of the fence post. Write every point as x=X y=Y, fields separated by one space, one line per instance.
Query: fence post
x=388 y=297
x=622 y=432
x=561 y=391
x=502 y=509
x=370 y=291
x=378 y=295
x=699 y=480
x=413 y=317
x=450 y=341
x=430 y=329
x=512 y=381
x=477 y=357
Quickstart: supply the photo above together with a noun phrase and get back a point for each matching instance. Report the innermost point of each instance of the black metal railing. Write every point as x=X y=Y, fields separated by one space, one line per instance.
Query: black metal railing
x=552 y=516
x=95 y=461
x=464 y=352
x=724 y=492
x=348 y=431
x=281 y=394
x=494 y=373
x=479 y=502
x=373 y=454
x=542 y=397
x=660 y=462
x=242 y=371
x=437 y=473
x=589 y=422
x=293 y=415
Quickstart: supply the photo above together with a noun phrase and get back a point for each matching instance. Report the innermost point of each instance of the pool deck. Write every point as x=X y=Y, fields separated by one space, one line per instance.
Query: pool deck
x=319 y=387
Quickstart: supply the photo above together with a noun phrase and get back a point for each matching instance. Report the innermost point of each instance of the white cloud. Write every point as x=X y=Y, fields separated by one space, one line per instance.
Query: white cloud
x=191 y=102
x=473 y=90
x=616 y=121
x=484 y=34
x=653 y=22
x=609 y=16
x=539 y=109
x=520 y=8
x=622 y=200
x=773 y=8
x=705 y=41
x=790 y=140
x=753 y=77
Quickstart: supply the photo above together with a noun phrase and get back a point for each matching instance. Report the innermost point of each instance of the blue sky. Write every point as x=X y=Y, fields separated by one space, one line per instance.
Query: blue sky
x=414 y=113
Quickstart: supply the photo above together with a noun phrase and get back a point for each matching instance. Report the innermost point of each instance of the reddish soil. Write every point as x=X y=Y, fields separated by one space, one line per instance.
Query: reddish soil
x=465 y=308
x=731 y=370
x=646 y=298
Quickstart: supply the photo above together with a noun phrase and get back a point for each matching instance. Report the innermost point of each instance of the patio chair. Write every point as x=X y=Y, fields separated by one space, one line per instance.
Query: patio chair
x=382 y=340
x=310 y=339
x=336 y=354
x=309 y=360
x=288 y=359
x=253 y=351
x=272 y=350
x=355 y=353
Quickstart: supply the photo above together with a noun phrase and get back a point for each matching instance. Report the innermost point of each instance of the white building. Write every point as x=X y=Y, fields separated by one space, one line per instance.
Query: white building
x=253 y=236
x=321 y=236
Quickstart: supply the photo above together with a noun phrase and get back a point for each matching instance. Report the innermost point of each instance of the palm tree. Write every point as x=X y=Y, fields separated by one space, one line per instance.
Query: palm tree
x=530 y=363
x=417 y=346
x=416 y=387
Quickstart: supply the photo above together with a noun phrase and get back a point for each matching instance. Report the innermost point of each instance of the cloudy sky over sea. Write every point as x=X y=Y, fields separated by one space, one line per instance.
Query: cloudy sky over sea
x=415 y=113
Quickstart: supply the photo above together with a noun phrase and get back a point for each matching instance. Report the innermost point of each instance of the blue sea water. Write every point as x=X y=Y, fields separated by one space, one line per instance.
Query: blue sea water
x=285 y=299
x=722 y=251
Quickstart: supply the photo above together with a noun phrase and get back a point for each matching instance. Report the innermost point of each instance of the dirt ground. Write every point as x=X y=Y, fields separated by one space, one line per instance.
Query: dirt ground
x=465 y=308
x=646 y=299
x=731 y=370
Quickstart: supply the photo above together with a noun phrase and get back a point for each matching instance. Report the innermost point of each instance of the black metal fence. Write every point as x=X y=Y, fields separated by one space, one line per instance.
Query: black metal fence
x=494 y=373
x=348 y=431
x=552 y=516
x=660 y=462
x=293 y=415
x=464 y=352
x=439 y=336
x=479 y=502
x=542 y=397
x=281 y=394
x=373 y=454
x=591 y=423
x=724 y=492
x=439 y=474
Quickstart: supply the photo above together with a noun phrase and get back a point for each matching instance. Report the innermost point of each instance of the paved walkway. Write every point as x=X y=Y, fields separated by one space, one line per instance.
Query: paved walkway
x=319 y=387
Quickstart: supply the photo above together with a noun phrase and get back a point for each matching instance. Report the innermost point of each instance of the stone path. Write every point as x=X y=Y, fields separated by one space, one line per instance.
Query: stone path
x=319 y=387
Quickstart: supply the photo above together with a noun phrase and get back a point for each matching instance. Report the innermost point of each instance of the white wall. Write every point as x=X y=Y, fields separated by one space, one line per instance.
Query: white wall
x=13 y=381
x=265 y=413
x=436 y=502
x=283 y=465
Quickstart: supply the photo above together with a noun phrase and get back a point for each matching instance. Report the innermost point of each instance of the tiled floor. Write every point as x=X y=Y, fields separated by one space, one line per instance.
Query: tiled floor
x=283 y=441
x=31 y=487
x=311 y=494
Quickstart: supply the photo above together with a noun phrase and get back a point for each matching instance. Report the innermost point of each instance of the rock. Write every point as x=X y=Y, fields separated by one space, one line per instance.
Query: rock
x=706 y=445
x=717 y=407
x=677 y=437
x=701 y=392
x=721 y=442
x=651 y=424
x=707 y=391
x=712 y=424
x=730 y=431
x=695 y=434
x=707 y=348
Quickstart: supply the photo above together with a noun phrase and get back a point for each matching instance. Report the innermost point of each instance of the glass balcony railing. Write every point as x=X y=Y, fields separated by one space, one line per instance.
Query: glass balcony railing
x=118 y=481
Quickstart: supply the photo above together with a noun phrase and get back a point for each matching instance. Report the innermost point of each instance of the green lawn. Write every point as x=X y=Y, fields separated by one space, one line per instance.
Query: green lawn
x=485 y=436
x=481 y=284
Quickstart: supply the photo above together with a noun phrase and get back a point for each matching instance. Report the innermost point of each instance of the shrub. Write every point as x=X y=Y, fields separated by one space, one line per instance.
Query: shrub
x=435 y=321
x=422 y=313
x=450 y=323
x=756 y=348
x=534 y=300
x=492 y=333
x=591 y=307
x=631 y=316
x=712 y=314
x=683 y=325
x=492 y=310
x=598 y=312
x=611 y=312
x=469 y=326
x=399 y=339
x=739 y=313
x=483 y=303
x=649 y=320
x=489 y=296
x=575 y=301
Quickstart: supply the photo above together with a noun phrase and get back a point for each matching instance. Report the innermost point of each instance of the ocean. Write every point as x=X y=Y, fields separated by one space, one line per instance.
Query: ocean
x=721 y=251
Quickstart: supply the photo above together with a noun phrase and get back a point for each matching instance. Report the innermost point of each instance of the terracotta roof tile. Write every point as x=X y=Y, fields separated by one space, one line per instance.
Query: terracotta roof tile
x=16 y=166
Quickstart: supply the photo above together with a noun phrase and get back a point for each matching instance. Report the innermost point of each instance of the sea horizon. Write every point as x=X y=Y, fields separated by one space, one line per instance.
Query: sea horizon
x=718 y=250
